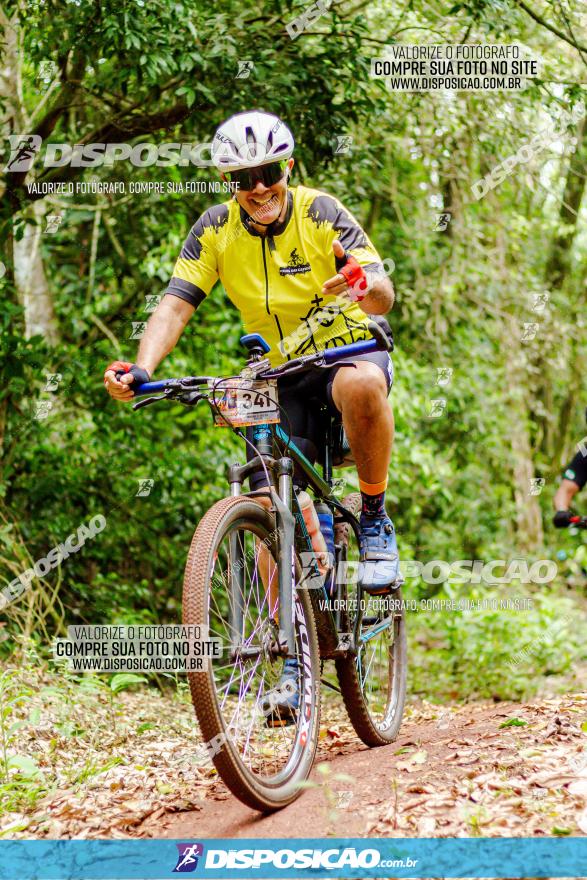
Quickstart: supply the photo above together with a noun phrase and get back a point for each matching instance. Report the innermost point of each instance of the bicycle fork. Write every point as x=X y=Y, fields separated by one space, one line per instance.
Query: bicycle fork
x=285 y=522
x=285 y=529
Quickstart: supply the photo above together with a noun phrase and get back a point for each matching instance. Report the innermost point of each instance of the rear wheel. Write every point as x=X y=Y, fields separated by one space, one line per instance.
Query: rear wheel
x=232 y=561
x=372 y=682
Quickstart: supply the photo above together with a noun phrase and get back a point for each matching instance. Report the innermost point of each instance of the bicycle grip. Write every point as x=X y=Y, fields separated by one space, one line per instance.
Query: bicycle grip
x=149 y=387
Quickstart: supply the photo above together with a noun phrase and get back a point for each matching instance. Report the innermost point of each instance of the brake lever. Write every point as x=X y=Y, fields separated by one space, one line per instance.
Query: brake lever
x=148 y=400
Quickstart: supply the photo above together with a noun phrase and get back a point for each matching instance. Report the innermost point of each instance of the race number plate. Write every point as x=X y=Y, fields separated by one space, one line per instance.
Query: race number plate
x=242 y=402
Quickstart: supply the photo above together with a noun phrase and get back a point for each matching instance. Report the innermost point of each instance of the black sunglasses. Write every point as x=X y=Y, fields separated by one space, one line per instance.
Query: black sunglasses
x=267 y=174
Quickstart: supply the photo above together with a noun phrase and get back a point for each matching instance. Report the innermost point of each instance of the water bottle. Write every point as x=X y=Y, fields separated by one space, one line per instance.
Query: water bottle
x=326 y=520
x=314 y=530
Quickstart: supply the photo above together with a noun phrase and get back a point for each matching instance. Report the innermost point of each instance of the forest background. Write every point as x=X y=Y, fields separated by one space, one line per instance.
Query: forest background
x=473 y=482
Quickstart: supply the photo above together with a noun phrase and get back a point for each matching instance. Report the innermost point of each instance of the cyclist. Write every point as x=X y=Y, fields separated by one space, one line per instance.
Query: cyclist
x=573 y=480
x=305 y=276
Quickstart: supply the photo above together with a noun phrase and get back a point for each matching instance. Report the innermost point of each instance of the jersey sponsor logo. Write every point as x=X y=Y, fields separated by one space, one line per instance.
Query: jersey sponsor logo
x=310 y=336
x=295 y=265
x=570 y=474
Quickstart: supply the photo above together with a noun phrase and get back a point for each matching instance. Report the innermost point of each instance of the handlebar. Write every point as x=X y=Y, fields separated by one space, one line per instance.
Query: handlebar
x=378 y=342
x=157 y=387
x=366 y=346
x=163 y=385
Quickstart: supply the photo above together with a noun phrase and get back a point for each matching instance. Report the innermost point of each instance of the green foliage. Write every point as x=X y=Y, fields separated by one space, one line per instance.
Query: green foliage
x=167 y=71
x=492 y=653
x=513 y=722
x=21 y=779
x=124 y=680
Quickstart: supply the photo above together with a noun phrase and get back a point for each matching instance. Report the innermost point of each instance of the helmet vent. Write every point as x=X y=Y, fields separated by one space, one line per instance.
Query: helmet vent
x=252 y=142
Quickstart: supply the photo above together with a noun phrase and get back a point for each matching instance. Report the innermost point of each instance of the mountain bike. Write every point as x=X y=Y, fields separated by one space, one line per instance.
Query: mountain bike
x=253 y=581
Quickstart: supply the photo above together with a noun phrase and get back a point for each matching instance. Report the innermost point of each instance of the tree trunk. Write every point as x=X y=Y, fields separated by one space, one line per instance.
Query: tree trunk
x=557 y=270
x=528 y=514
x=560 y=253
x=529 y=531
x=373 y=215
x=31 y=281
x=29 y=273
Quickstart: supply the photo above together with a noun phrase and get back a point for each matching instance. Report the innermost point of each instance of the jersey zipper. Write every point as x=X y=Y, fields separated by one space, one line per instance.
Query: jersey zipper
x=266 y=277
x=267 y=290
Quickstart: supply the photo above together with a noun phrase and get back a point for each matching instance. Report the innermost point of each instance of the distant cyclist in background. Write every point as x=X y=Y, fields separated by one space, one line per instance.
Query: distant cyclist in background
x=573 y=480
x=304 y=275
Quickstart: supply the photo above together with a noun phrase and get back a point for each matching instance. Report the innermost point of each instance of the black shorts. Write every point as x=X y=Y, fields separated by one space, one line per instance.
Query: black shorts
x=303 y=398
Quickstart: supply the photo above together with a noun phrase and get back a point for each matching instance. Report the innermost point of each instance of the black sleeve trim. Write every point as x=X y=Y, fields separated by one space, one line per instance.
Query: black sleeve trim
x=191 y=293
x=214 y=218
x=579 y=467
x=324 y=209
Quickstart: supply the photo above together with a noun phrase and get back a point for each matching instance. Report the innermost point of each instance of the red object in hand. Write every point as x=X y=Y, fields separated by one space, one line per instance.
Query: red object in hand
x=118 y=367
x=355 y=277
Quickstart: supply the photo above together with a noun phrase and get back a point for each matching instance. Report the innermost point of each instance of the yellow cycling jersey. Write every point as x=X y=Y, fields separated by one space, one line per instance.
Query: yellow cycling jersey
x=275 y=280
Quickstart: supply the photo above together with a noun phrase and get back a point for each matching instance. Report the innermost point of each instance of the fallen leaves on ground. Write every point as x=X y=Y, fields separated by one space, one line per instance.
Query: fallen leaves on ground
x=526 y=778
x=116 y=769
x=105 y=766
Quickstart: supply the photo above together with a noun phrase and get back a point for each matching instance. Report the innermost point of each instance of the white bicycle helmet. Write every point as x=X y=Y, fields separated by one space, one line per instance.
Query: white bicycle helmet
x=250 y=139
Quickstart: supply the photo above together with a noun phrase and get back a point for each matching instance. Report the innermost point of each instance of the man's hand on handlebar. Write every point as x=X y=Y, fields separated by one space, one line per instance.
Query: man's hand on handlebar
x=565 y=518
x=120 y=376
x=562 y=519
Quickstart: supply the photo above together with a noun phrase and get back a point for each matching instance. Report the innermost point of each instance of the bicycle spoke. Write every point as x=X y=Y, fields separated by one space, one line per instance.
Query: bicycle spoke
x=241 y=686
x=373 y=681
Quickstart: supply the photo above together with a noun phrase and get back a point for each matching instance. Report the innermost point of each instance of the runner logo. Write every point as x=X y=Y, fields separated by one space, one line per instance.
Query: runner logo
x=244 y=69
x=24 y=148
x=442 y=221
x=344 y=143
x=187 y=860
x=295 y=265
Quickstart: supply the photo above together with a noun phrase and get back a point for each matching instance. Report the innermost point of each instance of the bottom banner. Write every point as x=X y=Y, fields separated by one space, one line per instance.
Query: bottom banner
x=340 y=858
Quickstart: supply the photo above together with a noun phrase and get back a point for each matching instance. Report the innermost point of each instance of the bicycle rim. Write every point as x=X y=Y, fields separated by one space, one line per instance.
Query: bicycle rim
x=372 y=682
x=262 y=760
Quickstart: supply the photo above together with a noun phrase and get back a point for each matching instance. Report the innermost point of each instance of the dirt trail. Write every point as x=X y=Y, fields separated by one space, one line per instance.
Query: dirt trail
x=490 y=769
x=450 y=773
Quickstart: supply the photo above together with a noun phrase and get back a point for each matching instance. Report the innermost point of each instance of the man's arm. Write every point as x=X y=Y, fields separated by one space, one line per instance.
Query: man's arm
x=574 y=478
x=565 y=494
x=165 y=326
x=381 y=296
x=163 y=330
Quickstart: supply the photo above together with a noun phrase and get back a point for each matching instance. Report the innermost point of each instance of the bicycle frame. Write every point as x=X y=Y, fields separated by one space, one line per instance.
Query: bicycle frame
x=268 y=437
x=287 y=512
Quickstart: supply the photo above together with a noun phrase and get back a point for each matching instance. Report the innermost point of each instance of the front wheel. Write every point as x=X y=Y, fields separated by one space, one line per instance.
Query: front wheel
x=230 y=587
x=372 y=681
